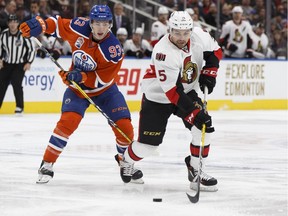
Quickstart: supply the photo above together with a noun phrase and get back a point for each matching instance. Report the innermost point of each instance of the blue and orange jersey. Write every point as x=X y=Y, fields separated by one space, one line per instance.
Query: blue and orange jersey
x=100 y=61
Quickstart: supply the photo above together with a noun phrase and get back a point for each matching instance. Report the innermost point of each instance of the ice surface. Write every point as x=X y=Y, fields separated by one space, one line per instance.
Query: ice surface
x=248 y=156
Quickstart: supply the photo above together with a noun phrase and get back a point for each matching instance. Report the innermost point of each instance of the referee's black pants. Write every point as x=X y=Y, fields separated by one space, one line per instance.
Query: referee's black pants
x=12 y=74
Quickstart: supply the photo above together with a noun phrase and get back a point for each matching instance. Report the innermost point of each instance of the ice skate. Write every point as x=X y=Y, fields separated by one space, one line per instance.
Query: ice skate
x=45 y=172
x=207 y=183
x=18 y=111
x=128 y=173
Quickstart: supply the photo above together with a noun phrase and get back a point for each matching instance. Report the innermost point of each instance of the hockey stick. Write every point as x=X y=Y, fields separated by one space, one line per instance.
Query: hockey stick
x=111 y=122
x=195 y=198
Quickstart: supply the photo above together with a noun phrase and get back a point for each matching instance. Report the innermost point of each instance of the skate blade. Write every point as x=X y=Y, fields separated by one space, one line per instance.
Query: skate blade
x=137 y=181
x=43 y=179
x=213 y=188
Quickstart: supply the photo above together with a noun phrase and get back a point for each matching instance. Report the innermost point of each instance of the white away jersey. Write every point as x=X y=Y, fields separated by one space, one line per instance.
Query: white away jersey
x=129 y=45
x=172 y=67
x=238 y=36
x=158 y=29
x=260 y=45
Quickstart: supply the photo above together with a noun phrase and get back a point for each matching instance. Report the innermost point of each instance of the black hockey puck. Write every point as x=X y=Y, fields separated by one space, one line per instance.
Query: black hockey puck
x=157 y=199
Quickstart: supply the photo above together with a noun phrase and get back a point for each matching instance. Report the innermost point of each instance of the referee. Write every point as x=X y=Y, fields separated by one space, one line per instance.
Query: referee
x=16 y=56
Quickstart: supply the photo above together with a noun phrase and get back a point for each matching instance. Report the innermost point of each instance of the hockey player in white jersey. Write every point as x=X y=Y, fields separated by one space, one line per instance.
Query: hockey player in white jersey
x=160 y=27
x=236 y=35
x=177 y=73
x=260 y=44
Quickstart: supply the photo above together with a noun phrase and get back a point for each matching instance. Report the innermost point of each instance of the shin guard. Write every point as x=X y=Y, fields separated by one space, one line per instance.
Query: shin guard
x=67 y=124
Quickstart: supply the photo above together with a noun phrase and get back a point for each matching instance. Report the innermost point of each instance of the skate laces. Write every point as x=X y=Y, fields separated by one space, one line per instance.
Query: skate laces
x=127 y=168
x=46 y=167
x=134 y=170
x=205 y=176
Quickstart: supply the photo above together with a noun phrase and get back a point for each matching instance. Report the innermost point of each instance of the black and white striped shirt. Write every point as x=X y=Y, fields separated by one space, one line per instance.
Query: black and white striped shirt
x=14 y=49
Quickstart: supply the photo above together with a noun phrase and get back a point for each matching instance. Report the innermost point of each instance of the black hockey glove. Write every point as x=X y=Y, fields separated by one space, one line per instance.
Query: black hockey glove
x=249 y=53
x=232 y=47
x=41 y=53
x=139 y=54
x=202 y=118
x=199 y=117
x=208 y=78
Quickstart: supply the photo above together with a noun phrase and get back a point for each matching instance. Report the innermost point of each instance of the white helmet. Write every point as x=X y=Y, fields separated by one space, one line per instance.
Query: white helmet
x=163 y=10
x=190 y=11
x=122 y=31
x=180 y=20
x=237 y=9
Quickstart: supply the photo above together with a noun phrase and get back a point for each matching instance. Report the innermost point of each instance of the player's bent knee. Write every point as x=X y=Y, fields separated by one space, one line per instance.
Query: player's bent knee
x=127 y=128
x=68 y=123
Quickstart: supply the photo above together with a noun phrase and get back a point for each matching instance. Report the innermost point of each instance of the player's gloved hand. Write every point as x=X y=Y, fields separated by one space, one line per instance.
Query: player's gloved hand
x=198 y=118
x=249 y=53
x=40 y=53
x=139 y=54
x=74 y=75
x=208 y=78
x=232 y=47
x=33 y=27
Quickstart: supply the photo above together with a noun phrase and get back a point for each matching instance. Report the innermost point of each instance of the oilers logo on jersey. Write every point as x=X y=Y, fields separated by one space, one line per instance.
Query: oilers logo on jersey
x=83 y=61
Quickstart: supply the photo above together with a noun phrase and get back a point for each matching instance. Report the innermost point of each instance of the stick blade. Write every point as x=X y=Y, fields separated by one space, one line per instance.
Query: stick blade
x=194 y=199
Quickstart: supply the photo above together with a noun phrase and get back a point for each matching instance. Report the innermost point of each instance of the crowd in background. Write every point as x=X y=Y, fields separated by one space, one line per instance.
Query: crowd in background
x=203 y=10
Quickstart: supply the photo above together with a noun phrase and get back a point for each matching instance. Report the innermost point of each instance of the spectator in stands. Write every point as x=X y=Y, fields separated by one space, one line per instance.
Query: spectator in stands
x=160 y=27
x=22 y=10
x=173 y=4
x=10 y=8
x=197 y=12
x=84 y=9
x=277 y=21
x=282 y=9
x=211 y=16
x=44 y=8
x=261 y=18
x=120 y=20
x=247 y=10
x=279 y=45
x=194 y=17
x=2 y=5
x=122 y=35
x=137 y=46
x=34 y=11
x=235 y=37
x=225 y=14
x=205 y=7
x=260 y=44
x=55 y=7
x=192 y=3
x=259 y=4
x=65 y=9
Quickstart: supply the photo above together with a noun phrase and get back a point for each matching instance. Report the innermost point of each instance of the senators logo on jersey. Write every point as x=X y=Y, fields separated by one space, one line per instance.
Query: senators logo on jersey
x=238 y=36
x=189 y=73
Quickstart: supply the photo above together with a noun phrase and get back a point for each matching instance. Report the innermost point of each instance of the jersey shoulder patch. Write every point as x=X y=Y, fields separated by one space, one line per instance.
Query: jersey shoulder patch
x=80 y=25
x=160 y=56
x=112 y=49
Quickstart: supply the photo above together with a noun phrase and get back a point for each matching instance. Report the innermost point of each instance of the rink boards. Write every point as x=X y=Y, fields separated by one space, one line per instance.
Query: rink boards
x=241 y=85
